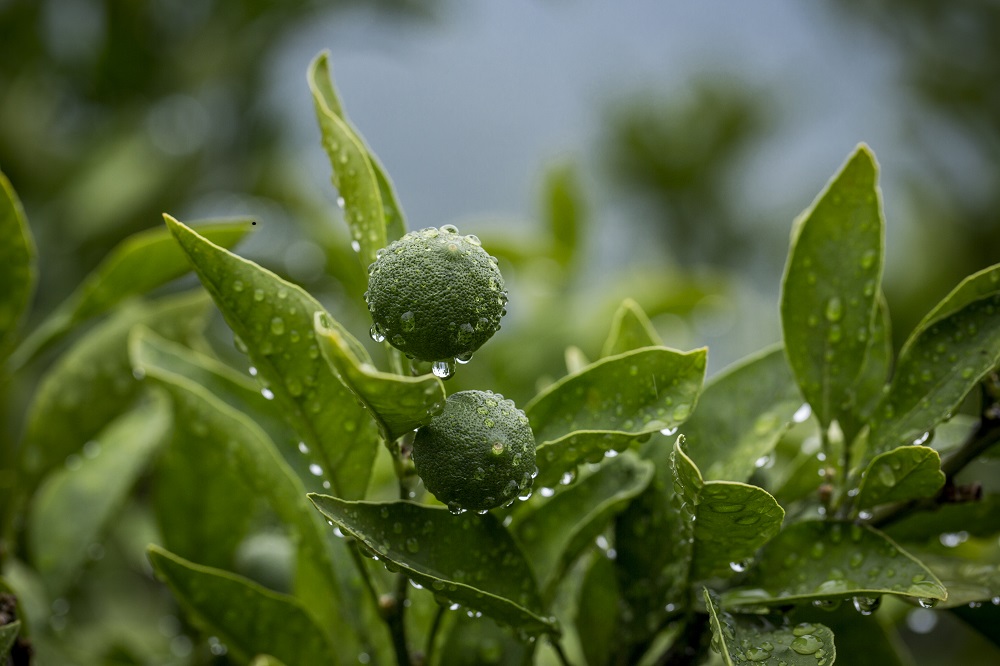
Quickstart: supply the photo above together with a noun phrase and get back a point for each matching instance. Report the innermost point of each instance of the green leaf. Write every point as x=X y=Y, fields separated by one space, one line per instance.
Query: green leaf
x=939 y=364
x=906 y=473
x=979 y=519
x=274 y=321
x=830 y=285
x=247 y=466
x=859 y=643
x=8 y=635
x=816 y=560
x=467 y=559
x=248 y=618
x=610 y=404
x=73 y=506
x=353 y=173
x=556 y=532
x=868 y=388
x=747 y=639
x=630 y=330
x=92 y=382
x=967 y=579
x=398 y=404
x=596 y=619
x=137 y=265
x=17 y=264
x=564 y=211
x=724 y=522
x=974 y=287
x=265 y=660
x=476 y=641
x=741 y=415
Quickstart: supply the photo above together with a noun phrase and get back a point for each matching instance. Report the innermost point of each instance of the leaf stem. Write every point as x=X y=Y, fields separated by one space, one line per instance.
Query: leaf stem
x=557 y=646
x=432 y=634
x=394 y=612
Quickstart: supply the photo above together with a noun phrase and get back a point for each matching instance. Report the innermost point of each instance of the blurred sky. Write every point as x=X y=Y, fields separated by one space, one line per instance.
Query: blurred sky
x=466 y=111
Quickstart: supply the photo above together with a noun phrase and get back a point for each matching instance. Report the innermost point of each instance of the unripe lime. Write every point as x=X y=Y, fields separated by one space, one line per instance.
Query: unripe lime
x=435 y=295
x=478 y=453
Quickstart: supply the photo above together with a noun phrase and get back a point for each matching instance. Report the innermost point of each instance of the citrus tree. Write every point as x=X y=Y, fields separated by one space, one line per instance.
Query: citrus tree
x=335 y=506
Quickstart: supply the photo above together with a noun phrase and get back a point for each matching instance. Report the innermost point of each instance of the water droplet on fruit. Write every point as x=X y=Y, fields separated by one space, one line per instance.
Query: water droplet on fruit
x=376 y=333
x=407 y=321
x=443 y=369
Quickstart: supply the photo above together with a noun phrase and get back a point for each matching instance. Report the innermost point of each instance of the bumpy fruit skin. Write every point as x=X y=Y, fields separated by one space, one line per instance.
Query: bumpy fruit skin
x=435 y=295
x=478 y=453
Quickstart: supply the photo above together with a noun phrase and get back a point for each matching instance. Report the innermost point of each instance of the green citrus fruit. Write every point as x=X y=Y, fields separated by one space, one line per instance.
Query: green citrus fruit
x=478 y=453
x=435 y=295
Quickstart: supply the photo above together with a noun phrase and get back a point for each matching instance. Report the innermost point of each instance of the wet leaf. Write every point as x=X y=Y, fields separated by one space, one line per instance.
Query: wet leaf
x=596 y=619
x=136 y=266
x=72 y=508
x=859 y=643
x=725 y=522
x=630 y=330
x=18 y=273
x=939 y=364
x=556 y=532
x=398 y=404
x=353 y=173
x=741 y=415
x=467 y=559
x=481 y=641
x=248 y=618
x=974 y=287
x=906 y=473
x=8 y=635
x=968 y=579
x=610 y=404
x=651 y=557
x=274 y=320
x=564 y=212
x=742 y=639
x=815 y=560
x=867 y=390
x=978 y=519
x=830 y=285
x=247 y=465
x=92 y=382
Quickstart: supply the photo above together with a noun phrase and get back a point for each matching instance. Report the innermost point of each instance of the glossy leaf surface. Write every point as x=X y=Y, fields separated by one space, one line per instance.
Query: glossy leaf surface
x=742 y=639
x=555 y=533
x=92 y=382
x=398 y=404
x=969 y=579
x=611 y=403
x=937 y=367
x=906 y=473
x=248 y=466
x=874 y=377
x=248 y=618
x=725 y=522
x=832 y=560
x=830 y=285
x=274 y=320
x=71 y=509
x=353 y=174
x=17 y=263
x=630 y=330
x=467 y=559
x=741 y=415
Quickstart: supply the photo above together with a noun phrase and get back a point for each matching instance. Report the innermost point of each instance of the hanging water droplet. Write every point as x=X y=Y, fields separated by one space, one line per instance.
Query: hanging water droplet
x=802 y=413
x=455 y=509
x=740 y=567
x=568 y=478
x=356 y=246
x=546 y=492
x=267 y=393
x=668 y=431
x=866 y=605
x=376 y=333
x=443 y=369
x=463 y=358
x=315 y=470
x=927 y=603
x=303 y=448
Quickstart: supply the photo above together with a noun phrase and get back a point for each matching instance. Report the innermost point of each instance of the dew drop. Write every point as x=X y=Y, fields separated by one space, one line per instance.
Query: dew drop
x=866 y=605
x=303 y=448
x=315 y=470
x=927 y=603
x=546 y=492
x=267 y=393
x=258 y=295
x=443 y=369
x=356 y=246
x=238 y=285
x=868 y=259
x=277 y=326
x=834 y=309
x=802 y=413
x=568 y=478
x=806 y=644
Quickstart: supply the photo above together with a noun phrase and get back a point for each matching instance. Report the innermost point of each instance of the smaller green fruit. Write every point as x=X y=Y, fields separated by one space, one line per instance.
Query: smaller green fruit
x=478 y=453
